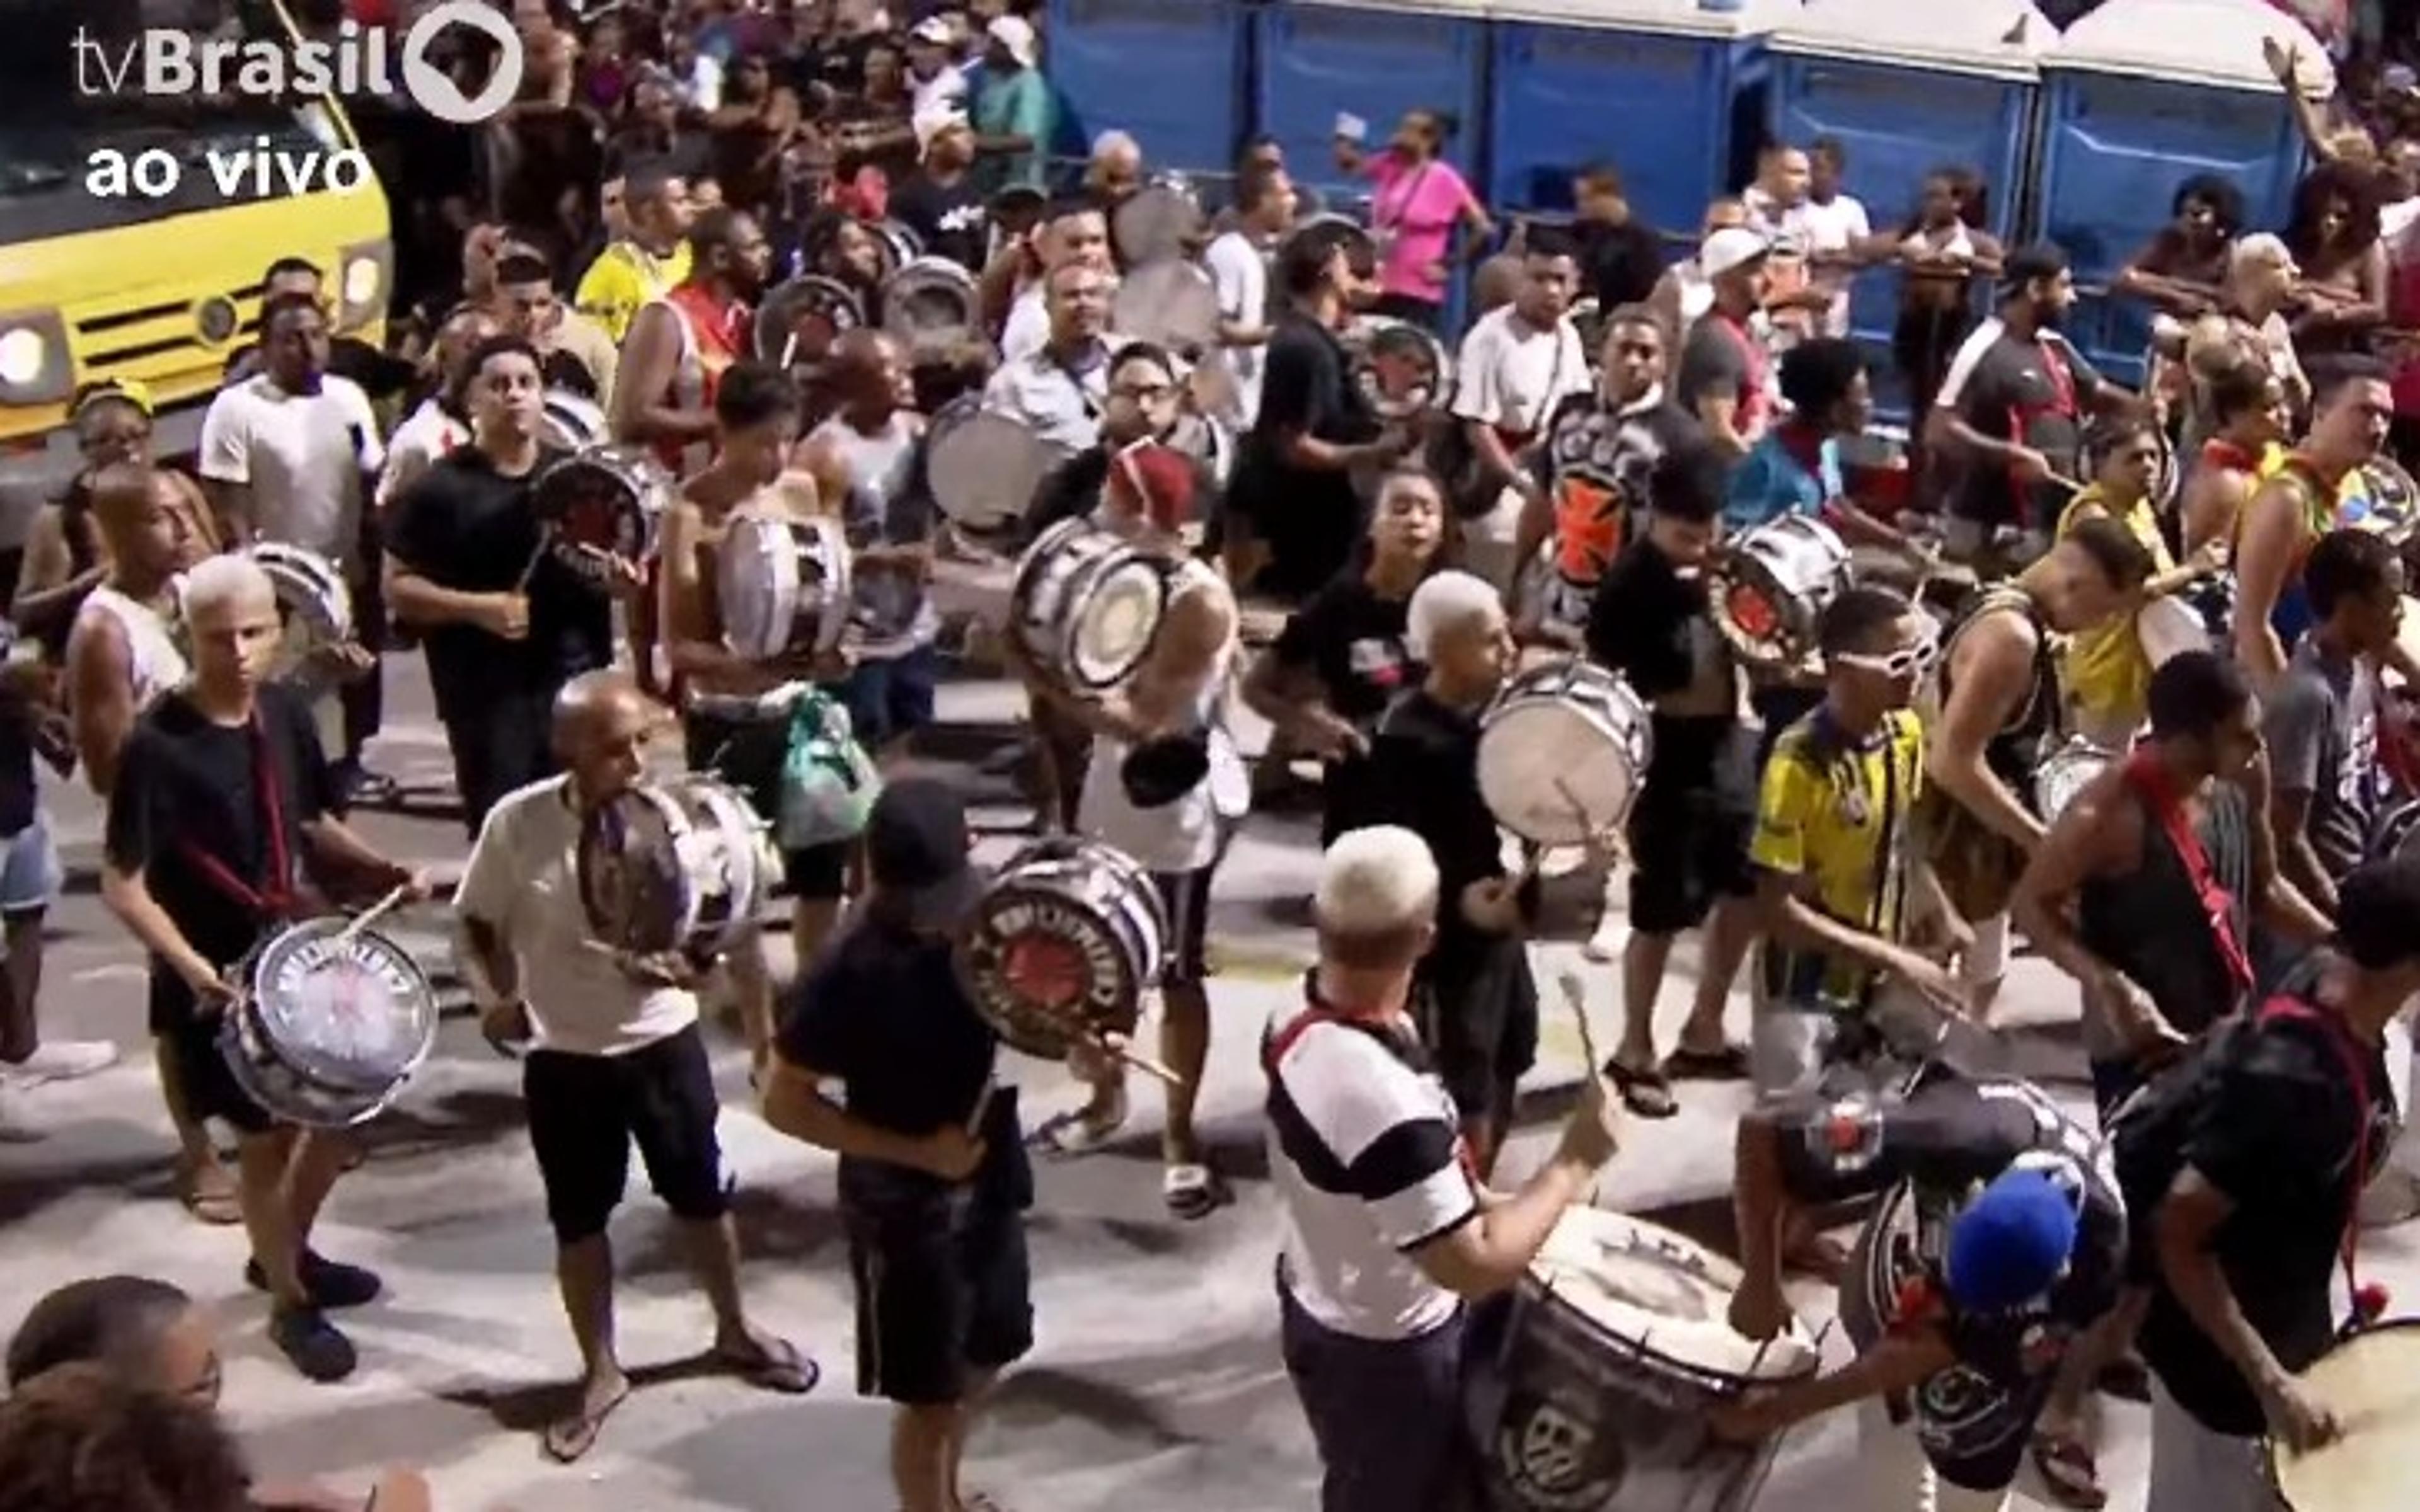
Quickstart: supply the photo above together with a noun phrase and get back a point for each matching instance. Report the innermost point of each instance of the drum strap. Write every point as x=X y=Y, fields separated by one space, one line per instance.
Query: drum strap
x=1275 y=1045
x=2149 y=781
x=2366 y=1305
x=2062 y=402
x=274 y=897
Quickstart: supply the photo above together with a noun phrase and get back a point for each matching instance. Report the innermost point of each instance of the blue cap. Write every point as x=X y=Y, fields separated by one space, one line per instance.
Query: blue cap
x=2011 y=1243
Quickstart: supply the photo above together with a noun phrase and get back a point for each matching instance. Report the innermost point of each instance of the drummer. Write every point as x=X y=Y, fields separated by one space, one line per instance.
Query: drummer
x=223 y=801
x=2029 y=1259
x=615 y=1055
x=680 y=345
x=1386 y=1232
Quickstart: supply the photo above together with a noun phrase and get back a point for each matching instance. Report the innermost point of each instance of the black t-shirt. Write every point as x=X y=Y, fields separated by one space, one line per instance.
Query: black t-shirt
x=467 y=527
x=1947 y=1139
x=1309 y=518
x=1424 y=776
x=188 y=798
x=1352 y=640
x=2036 y=391
x=1646 y=620
x=19 y=796
x=952 y=220
x=2279 y=1130
x=1593 y=466
x=1618 y=264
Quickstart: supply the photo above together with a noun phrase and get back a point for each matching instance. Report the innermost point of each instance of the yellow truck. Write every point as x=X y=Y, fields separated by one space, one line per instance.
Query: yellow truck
x=103 y=280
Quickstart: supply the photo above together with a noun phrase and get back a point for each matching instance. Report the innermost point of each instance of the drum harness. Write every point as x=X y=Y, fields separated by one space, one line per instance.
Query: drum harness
x=1277 y=1042
x=276 y=897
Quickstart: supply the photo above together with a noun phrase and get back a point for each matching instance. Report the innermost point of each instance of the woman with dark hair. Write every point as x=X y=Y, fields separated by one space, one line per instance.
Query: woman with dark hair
x=147 y=1331
x=84 y=1439
x=1419 y=200
x=2334 y=237
x=1942 y=251
x=2182 y=271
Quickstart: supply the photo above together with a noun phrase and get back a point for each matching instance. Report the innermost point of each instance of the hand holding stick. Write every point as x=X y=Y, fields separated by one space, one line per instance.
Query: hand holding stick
x=371 y=915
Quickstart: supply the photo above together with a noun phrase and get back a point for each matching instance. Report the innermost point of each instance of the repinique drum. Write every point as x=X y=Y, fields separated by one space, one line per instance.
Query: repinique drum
x=313 y=600
x=1157 y=224
x=1171 y=304
x=798 y=321
x=782 y=582
x=572 y=421
x=2371 y=1381
x=1085 y=605
x=608 y=500
x=930 y=303
x=983 y=467
x=1066 y=939
x=2212 y=602
x=329 y=1023
x=2065 y=773
x=1402 y=369
x=2381 y=496
x=1771 y=584
x=2169 y=628
x=1563 y=752
x=1612 y=1349
x=672 y=865
x=1876 y=472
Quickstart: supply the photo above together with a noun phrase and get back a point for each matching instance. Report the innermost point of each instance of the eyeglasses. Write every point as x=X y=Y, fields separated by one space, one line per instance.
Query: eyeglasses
x=1906 y=661
x=1142 y=393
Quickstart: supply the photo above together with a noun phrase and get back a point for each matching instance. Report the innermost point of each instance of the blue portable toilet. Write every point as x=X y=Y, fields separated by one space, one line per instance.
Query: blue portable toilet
x=1170 y=71
x=1669 y=91
x=1906 y=89
x=2139 y=97
x=1318 y=60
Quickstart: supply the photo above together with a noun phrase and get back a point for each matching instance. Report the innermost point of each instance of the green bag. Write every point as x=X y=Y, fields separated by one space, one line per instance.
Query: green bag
x=828 y=784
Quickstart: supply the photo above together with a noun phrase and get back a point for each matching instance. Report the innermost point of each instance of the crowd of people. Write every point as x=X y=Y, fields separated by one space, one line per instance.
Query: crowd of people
x=1862 y=821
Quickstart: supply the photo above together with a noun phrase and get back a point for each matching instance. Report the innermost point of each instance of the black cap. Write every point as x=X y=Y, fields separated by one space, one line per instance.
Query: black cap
x=916 y=847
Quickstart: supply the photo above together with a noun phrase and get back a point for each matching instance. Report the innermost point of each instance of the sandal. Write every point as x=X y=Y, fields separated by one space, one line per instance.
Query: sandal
x=567 y=1439
x=775 y=1365
x=2068 y=1471
x=1075 y=1132
x=1194 y=1190
x=1645 y=1093
x=216 y=1203
x=1728 y=1064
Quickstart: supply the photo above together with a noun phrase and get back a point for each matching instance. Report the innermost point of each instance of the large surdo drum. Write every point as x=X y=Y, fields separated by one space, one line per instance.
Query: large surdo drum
x=1771 y=585
x=2371 y=1381
x=328 y=1023
x=605 y=502
x=1612 y=1349
x=782 y=583
x=672 y=865
x=1563 y=752
x=1086 y=605
x=1065 y=941
x=1402 y=369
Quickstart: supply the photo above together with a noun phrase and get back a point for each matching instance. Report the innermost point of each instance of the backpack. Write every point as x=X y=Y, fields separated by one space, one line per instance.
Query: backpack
x=828 y=784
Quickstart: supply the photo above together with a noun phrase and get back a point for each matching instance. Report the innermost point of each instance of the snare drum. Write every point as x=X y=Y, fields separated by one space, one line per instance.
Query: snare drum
x=1157 y=224
x=782 y=583
x=2167 y=628
x=2065 y=773
x=572 y=423
x=672 y=865
x=798 y=323
x=313 y=601
x=1086 y=604
x=983 y=467
x=1563 y=752
x=329 y=1023
x=2371 y=1381
x=1062 y=946
x=1612 y=1350
x=1876 y=472
x=1171 y=304
x=608 y=500
x=1771 y=585
x=1402 y=370
x=2380 y=496
x=900 y=245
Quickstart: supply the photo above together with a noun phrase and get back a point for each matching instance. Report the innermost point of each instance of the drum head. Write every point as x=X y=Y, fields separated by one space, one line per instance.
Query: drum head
x=1047 y=958
x=605 y=500
x=1169 y=304
x=634 y=882
x=1115 y=622
x=1157 y=224
x=2372 y=1383
x=2167 y=628
x=1562 y=755
x=798 y=323
x=929 y=302
x=1660 y=1293
x=357 y=1016
x=983 y=469
x=1401 y=368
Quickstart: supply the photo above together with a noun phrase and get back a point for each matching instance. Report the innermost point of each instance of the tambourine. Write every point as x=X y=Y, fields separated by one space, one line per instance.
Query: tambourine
x=1171 y=304
x=798 y=322
x=1402 y=369
x=931 y=303
x=1160 y=223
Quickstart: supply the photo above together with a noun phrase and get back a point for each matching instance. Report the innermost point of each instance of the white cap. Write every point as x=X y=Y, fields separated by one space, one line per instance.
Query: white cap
x=1732 y=247
x=1016 y=34
x=1445 y=601
x=935 y=30
x=1375 y=881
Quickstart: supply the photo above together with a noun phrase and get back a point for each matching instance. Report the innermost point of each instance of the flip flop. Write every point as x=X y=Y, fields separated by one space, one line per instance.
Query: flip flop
x=1194 y=1190
x=219 y=1207
x=981 y=1502
x=776 y=1366
x=1645 y=1093
x=1728 y=1064
x=567 y=1439
x=1064 y=1136
x=2068 y=1471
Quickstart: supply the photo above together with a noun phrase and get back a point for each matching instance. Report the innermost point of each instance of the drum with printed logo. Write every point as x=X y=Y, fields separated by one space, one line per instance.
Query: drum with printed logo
x=1086 y=605
x=1594 y=1379
x=2371 y=1381
x=798 y=322
x=678 y=865
x=1771 y=584
x=329 y=1023
x=1160 y=223
x=1065 y=941
x=1563 y=752
x=2067 y=772
x=605 y=502
x=782 y=582
x=1171 y=304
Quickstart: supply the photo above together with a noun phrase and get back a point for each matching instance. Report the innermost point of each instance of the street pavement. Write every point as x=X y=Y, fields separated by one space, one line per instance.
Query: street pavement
x=1156 y=1382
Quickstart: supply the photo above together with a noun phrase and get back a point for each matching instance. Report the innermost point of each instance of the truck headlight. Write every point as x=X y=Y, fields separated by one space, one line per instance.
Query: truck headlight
x=362 y=283
x=35 y=367
x=24 y=354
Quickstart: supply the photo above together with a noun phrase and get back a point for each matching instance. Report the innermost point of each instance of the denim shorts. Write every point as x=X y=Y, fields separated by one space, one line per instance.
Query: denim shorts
x=30 y=873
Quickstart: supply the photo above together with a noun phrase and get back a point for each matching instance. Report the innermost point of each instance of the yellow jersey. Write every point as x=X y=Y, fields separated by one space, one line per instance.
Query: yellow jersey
x=625 y=279
x=2106 y=673
x=1835 y=814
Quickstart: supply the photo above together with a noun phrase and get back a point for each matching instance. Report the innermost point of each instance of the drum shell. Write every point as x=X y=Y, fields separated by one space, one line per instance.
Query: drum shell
x=573 y=422
x=803 y=566
x=1091 y=897
x=637 y=488
x=2064 y=773
x=707 y=857
x=1530 y=783
x=1794 y=566
x=1376 y=344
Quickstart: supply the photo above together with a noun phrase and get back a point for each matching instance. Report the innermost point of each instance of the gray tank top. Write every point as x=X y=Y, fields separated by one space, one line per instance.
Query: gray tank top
x=885 y=507
x=2150 y=924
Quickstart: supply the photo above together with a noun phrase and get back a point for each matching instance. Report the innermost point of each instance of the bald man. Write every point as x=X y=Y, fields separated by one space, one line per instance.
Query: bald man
x=615 y=1055
x=223 y=816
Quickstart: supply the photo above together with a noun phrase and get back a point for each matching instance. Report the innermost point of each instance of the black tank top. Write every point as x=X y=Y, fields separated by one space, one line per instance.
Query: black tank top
x=2021 y=743
x=2150 y=923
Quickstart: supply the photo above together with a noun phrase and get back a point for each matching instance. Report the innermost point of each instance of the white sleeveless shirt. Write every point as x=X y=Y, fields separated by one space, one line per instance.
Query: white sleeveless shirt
x=157 y=664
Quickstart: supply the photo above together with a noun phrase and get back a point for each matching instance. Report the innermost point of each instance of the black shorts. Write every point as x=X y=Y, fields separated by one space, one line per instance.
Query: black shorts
x=891 y=697
x=585 y=1111
x=1186 y=896
x=749 y=754
x=1690 y=829
x=944 y=1291
x=1481 y=1020
x=208 y=1082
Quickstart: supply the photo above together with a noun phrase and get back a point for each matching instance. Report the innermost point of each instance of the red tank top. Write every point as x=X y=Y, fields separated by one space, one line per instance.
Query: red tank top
x=718 y=336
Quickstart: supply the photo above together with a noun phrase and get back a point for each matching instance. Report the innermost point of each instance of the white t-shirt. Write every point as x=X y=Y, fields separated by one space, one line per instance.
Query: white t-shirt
x=303 y=456
x=1834 y=229
x=1062 y=409
x=1511 y=376
x=1241 y=277
x=1363 y=1153
x=524 y=880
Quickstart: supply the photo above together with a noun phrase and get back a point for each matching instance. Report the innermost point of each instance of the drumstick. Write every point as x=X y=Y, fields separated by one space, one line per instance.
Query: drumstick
x=982 y=1108
x=528 y=570
x=1607 y=839
x=1147 y=1066
x=1575 y=993
x=362 y=920
x=789 y=350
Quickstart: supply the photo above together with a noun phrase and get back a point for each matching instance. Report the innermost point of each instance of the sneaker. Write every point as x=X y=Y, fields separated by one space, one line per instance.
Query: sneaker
x=330 y=1283
x=316 y=1347
x=16 y=1123
x=63 y=1060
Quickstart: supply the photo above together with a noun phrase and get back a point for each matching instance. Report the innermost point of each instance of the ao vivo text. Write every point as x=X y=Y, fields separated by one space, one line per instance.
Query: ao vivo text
x=258 y=172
